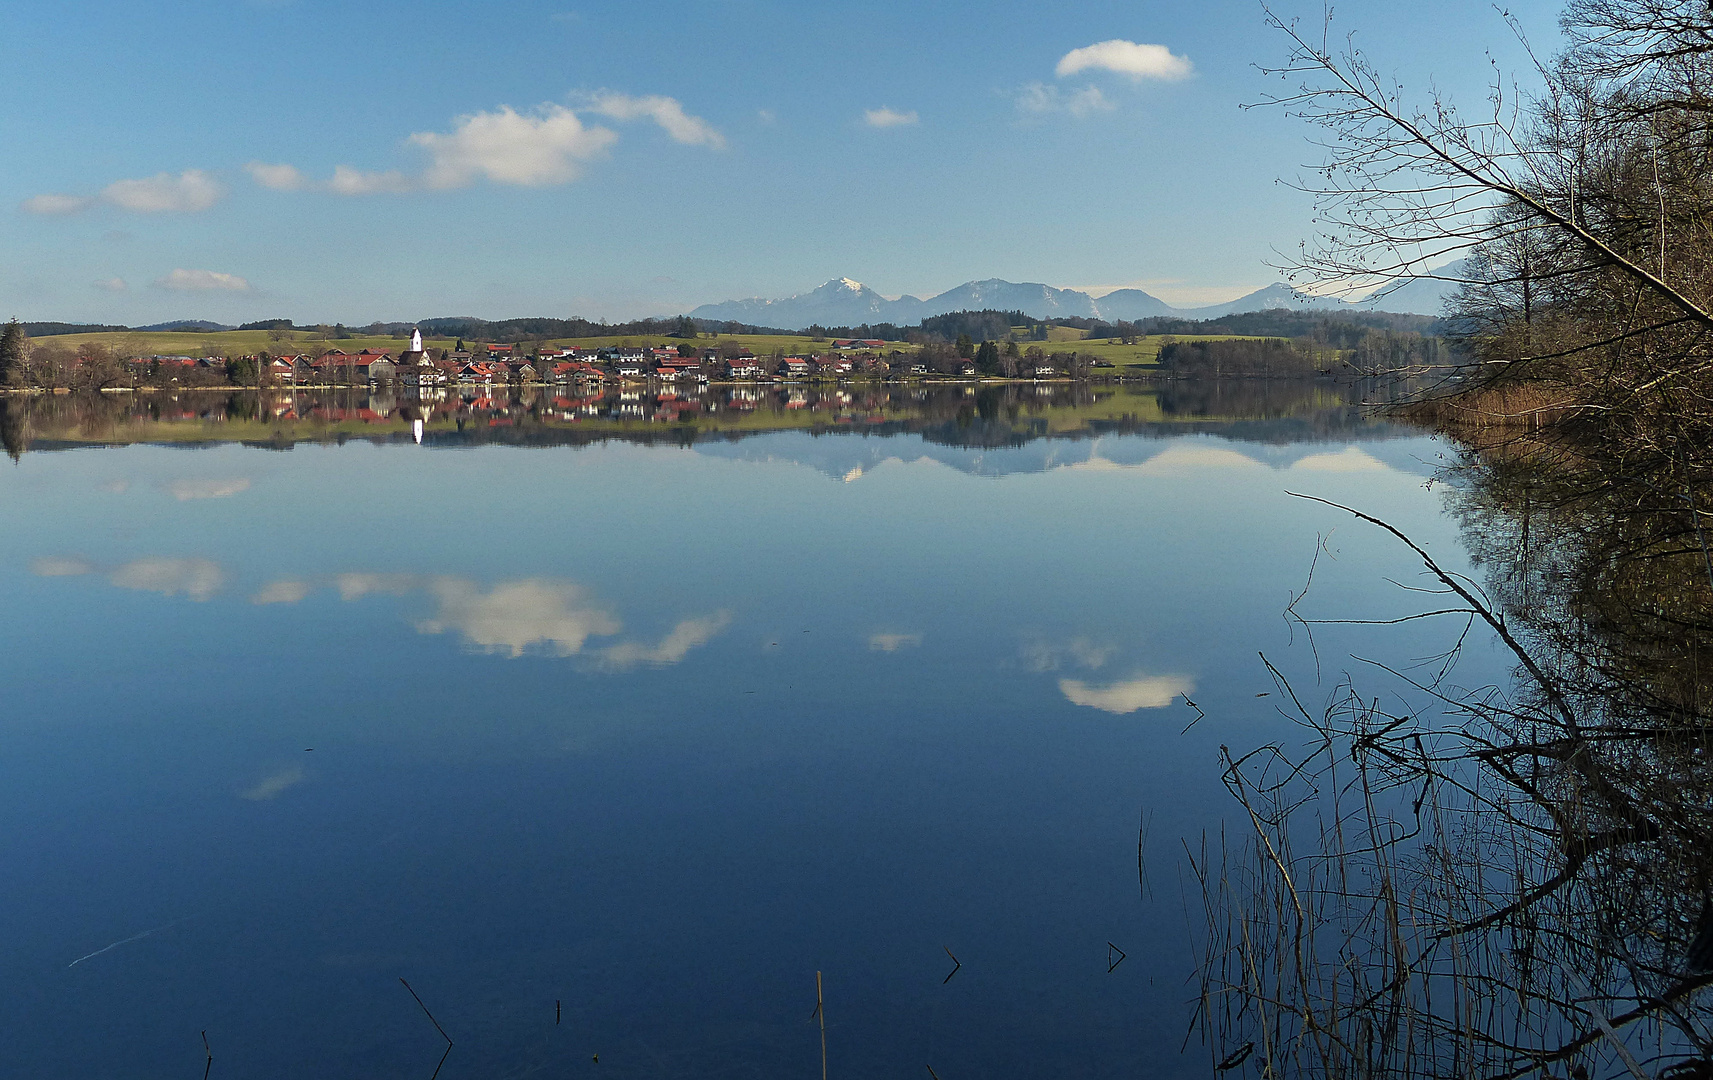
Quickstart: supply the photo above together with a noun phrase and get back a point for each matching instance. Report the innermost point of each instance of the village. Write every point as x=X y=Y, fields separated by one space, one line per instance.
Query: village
x=418 y=369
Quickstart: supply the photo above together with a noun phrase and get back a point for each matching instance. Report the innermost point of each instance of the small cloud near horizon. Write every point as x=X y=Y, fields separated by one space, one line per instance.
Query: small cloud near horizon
x=61 y=566
x=112 y=284
x=679 y=125
x=886 y=117
x=277 y=177
x=349 y=181
x=189 y=192
x=55 y=205
x=1040 y=99
x=182 y=280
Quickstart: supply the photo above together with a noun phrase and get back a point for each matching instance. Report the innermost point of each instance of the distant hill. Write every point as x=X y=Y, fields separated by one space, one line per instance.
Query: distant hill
x=1035 y=300
x=182 y=325
x=1132 y=304
x=54 y=329
x=840 y=302
x=1424 y=295
x=843 y=302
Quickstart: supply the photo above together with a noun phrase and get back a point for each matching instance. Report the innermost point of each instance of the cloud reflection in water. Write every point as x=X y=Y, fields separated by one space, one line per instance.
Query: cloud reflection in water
x=1150 y=692
x=199 y=579
x=270 y=787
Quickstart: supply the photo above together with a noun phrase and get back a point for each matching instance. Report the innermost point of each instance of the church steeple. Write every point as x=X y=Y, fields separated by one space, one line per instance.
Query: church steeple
x=415 y=340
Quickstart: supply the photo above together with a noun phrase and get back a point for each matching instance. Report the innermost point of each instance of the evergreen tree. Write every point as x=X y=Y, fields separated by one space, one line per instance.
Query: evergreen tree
x=987 y=357
x=12 y=341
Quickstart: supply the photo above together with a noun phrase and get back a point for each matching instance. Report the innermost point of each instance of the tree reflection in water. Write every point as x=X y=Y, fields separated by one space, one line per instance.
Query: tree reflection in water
x=964 y=415
x=1493 y=883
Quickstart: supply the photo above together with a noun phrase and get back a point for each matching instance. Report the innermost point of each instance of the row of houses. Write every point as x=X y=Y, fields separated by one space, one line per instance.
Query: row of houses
x=417 y=368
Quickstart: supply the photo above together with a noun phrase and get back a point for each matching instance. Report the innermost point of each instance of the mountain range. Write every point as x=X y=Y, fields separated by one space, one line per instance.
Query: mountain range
x=843 y=302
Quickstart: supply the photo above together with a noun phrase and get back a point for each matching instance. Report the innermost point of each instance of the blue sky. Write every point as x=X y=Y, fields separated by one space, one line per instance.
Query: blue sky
x=622 y=159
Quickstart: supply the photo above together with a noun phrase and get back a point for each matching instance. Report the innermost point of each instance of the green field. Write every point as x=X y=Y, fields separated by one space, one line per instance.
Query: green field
x=227 y=343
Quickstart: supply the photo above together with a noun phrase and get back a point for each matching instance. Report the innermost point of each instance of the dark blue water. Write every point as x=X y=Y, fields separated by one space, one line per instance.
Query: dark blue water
x=653 y=733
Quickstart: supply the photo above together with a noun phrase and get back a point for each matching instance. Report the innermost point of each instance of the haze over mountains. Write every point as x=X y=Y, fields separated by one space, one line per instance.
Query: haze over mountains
x=843 y=302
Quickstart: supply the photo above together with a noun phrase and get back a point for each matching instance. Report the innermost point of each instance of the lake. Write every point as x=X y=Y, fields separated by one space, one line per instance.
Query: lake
x=609 y=730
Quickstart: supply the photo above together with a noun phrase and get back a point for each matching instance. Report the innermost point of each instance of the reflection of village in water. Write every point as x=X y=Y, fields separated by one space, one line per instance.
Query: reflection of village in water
x=961 y=415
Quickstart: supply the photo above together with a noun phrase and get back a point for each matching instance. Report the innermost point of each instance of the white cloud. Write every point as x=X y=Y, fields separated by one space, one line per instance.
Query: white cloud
x=508 y=147
x=198 y=579
x=513 y=616
x=61 y=566
x=665 y=111
x=186 y=490
x=270 y=787
x=349 y=181
x=55 y=205
x=884 y=117
x=1350 y=459
x=281 y=592
x=1152 y=692
x=277 y=177
x=1128 y=58
x=188 y=192
x=163 y=193
x=687 y=635
x=893 y=642
x=113 y=284
x=767 y=116
x=1039 y=99
x=182 y=280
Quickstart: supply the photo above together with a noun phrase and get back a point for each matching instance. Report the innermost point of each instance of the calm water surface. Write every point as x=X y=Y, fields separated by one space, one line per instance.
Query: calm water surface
x=656 y=732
